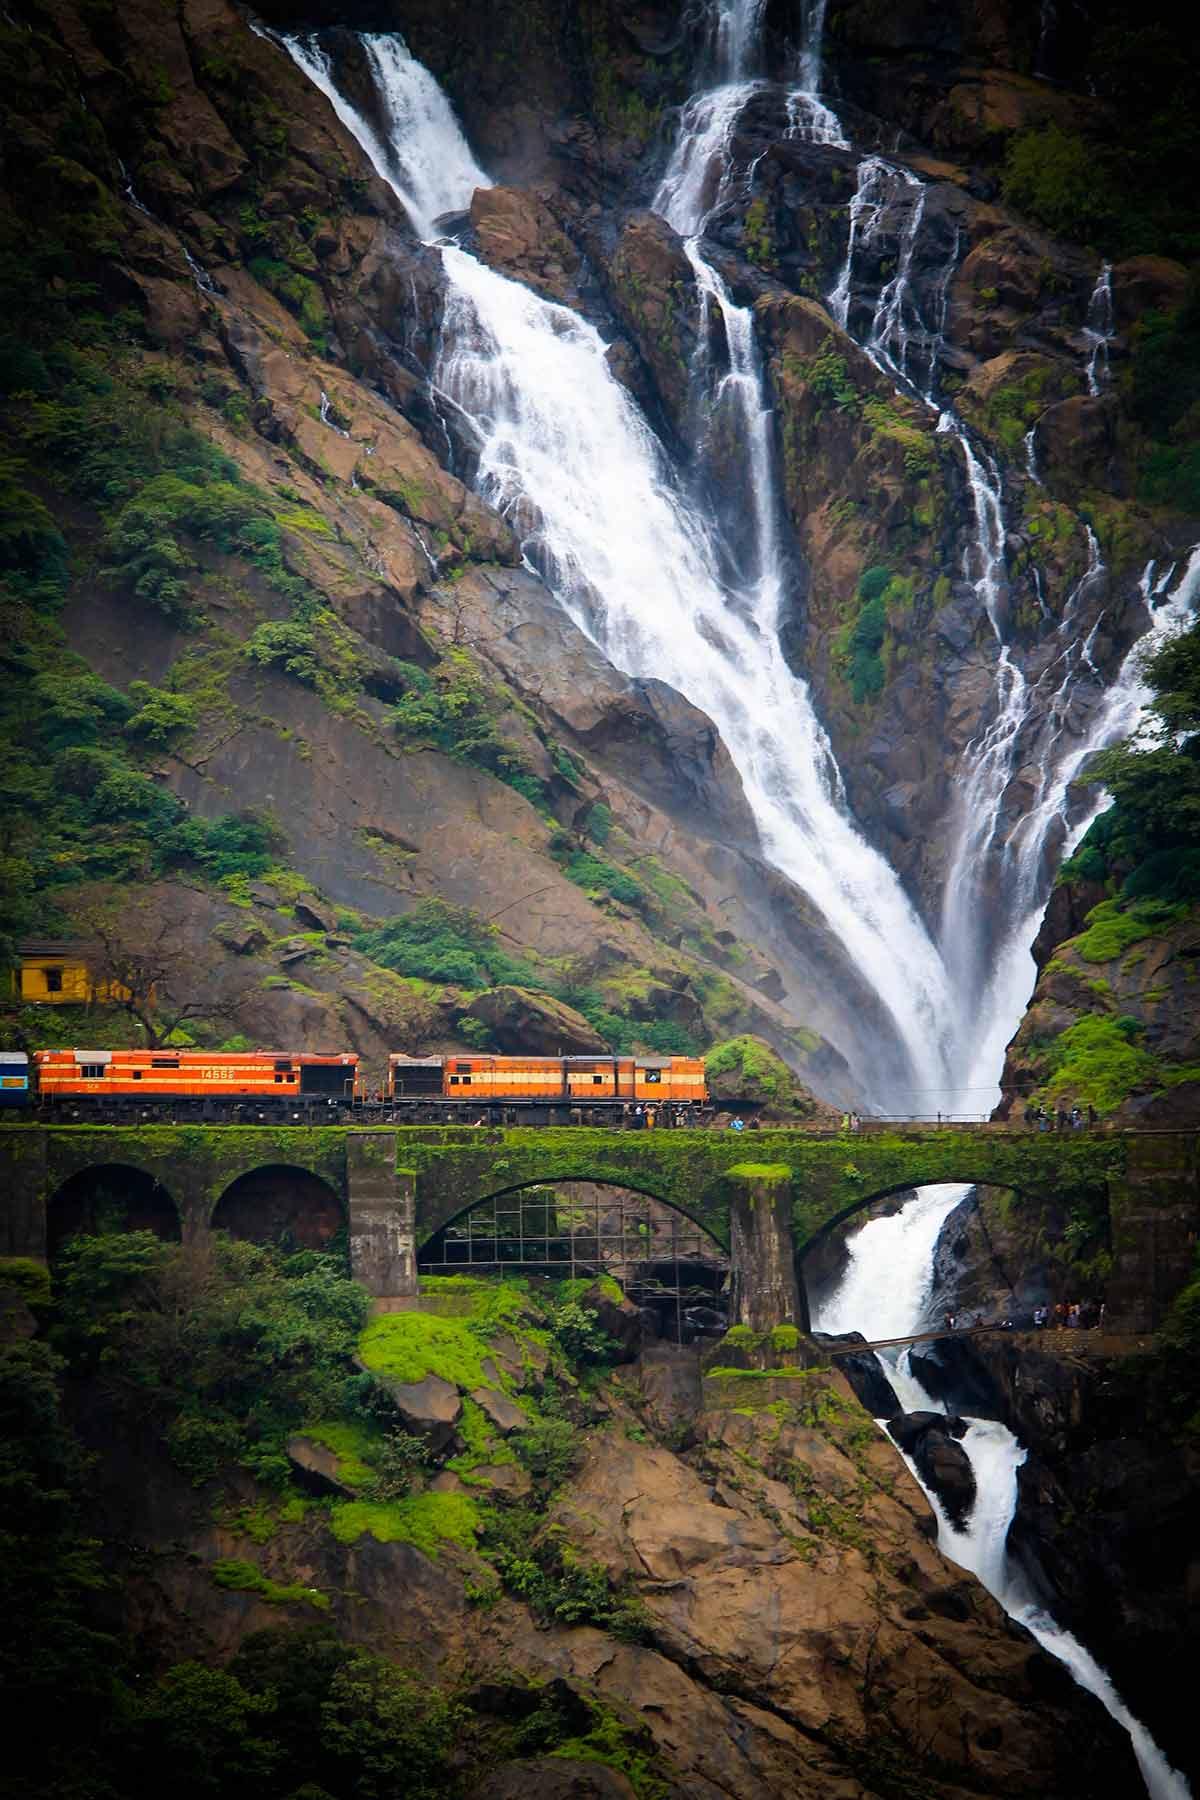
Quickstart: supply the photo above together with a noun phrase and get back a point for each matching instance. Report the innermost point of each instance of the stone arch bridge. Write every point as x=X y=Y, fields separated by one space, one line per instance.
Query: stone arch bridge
x=768 y=1197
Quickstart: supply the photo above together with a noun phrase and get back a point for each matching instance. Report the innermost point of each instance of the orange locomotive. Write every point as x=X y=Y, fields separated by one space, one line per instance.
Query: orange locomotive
x=554 y=1082
x=203 y=1082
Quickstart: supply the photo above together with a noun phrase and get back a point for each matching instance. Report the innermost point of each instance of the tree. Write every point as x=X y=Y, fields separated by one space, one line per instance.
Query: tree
x=145 y=960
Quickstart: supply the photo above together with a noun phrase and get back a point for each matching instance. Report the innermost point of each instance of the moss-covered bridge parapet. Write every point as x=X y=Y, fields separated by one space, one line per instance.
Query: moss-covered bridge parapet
x=411 y=1181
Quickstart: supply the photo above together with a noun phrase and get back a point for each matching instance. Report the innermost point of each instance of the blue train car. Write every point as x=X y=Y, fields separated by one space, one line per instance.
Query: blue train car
x=14 y=1079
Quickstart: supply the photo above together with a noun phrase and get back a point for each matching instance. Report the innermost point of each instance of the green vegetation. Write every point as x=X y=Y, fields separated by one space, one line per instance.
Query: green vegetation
x=446 y=944
x=454 y=709
x=1149 y=840
x=1111 y=929
x=246 y=1578
x=1164 y=393
x=827 y=375
x=859 y=644
x=1095 y=1063
x=201 y=1342
x=1118 y=179
x=406 y=1347
x=427 y=1521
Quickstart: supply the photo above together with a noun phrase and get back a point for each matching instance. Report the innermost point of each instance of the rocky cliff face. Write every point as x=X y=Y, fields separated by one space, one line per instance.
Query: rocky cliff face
x=798 y=1632
x=1112 y=1020
x=1103 y=1526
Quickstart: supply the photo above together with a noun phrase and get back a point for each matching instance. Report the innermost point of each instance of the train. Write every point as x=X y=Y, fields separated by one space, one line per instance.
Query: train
x=301 y=1087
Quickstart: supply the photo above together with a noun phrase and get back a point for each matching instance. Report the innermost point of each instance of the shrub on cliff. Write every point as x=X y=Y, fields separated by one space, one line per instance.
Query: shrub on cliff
x=443 y=943
x=229 y=1348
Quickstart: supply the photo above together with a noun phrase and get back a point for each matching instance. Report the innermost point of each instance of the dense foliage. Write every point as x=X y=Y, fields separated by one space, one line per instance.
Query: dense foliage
x=212 y=1357
x=1150 y=837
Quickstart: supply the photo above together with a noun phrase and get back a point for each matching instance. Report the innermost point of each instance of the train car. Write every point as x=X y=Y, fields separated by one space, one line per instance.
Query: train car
x=203 y=1083
x=555 y=1084
x=15 y=1090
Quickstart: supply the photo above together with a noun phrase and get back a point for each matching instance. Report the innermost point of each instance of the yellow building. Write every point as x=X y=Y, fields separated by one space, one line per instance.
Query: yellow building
x=53 y=972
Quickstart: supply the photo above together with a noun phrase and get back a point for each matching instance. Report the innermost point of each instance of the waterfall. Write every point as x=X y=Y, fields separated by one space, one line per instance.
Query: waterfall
x=564 y=452
x=423 y=155
x=809 y=118
x=1098 y=329
x=886 y=1290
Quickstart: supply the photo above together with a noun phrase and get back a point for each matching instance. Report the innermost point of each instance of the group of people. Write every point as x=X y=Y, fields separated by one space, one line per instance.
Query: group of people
x=1070 y=1315
x=1062 y=1120
x=737 y=1123
x=851 y=1121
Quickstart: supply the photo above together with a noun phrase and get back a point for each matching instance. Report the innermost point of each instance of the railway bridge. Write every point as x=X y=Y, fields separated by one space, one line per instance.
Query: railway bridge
x=767 y=1198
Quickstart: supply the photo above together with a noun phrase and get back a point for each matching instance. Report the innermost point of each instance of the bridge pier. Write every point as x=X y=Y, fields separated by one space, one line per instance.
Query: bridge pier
x=764 y=1287
x=1154 y=1208
x=382 y=1208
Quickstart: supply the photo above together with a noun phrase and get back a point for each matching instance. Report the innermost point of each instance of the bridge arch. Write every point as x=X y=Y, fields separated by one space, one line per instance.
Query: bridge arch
x=109 y=1196
x=1043 y=1191
x=663 y=1259
x=281 y=1203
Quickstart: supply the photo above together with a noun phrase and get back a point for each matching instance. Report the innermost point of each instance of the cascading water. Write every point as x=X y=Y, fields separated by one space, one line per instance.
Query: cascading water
x=559 y=438
x=1098 y=329
x=422 y=154
x=809 y=118
x=887 y=1286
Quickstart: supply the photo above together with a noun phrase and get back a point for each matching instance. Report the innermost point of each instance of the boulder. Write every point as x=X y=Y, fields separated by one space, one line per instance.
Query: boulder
x=522 y=1020
x=653 y=290
x=504 y=1413
x=314 y=914
x=929 y=1438
x=864 y=1373
x=430 y=1408
x=316 y=1466
x=506 y=1481
x=620 y=1319
x=243 y=937
x=515 y=232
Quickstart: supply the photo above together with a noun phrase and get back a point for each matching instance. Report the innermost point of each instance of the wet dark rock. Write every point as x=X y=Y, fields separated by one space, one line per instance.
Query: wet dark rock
x=929 y=1438
x=864 y=1373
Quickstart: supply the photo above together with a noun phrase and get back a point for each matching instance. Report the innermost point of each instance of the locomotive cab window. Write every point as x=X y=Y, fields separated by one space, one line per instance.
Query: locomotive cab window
x=283 y=1068
x=462 y=1067
x=596 y=1080
x=54 y=981
x=650 y=1076
x=91 y=1071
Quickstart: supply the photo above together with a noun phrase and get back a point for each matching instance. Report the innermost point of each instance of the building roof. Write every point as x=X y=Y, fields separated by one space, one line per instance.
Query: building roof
x=65 y=947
